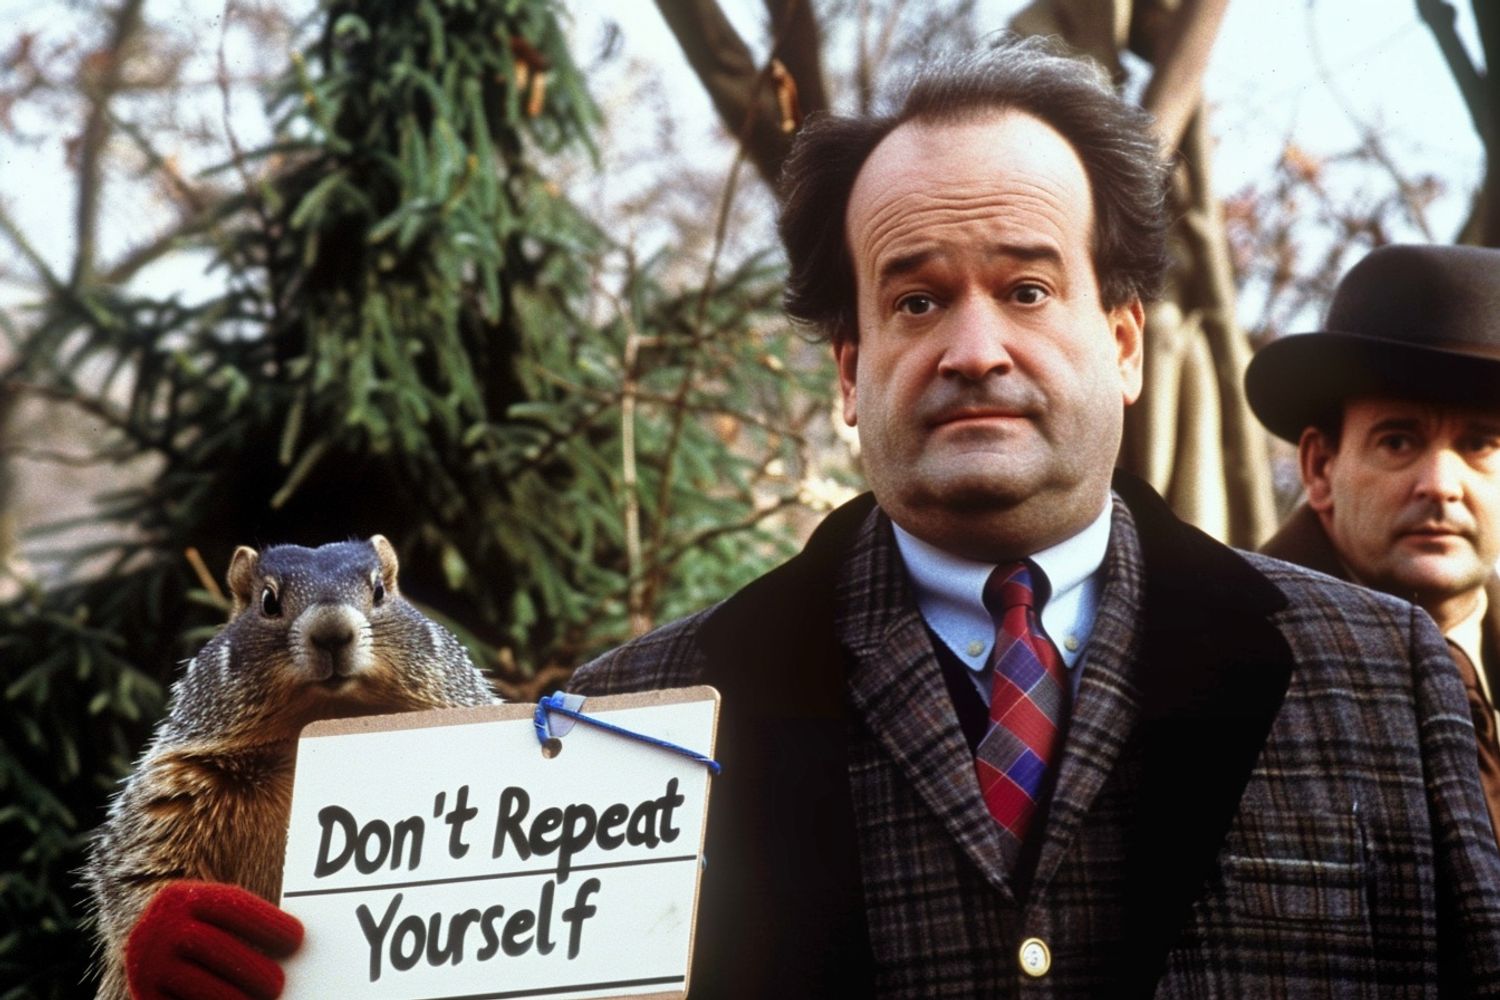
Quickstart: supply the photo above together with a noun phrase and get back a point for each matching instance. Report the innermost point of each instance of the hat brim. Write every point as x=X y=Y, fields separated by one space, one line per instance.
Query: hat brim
x=1302 y=380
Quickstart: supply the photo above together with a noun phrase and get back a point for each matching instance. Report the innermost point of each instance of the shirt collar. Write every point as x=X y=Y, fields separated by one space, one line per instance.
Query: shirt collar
x=950 y=591
x=1468 y=635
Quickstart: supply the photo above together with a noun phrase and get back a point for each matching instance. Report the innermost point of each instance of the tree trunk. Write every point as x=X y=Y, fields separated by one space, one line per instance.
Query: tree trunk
x=1191 y=435
x=1481 y=94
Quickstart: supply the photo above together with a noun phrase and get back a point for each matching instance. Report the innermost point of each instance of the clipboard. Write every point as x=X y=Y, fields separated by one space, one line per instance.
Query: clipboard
x=469 y=853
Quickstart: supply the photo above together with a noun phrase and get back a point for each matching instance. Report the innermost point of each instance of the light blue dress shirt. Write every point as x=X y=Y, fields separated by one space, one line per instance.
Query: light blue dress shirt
x=950 y=595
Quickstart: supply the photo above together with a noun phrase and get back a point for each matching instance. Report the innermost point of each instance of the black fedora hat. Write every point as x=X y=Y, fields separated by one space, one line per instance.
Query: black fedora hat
x=1414 y=321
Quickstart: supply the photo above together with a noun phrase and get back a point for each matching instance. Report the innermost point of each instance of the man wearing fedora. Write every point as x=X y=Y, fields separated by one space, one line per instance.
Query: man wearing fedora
x=1395 y=410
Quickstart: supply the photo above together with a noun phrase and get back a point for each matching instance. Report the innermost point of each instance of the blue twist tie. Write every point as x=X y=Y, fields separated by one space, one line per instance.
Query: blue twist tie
x=558 y=702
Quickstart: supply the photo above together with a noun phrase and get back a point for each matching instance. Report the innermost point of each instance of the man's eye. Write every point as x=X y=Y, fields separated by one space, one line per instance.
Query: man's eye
x=1480 y=444
x=1396 y=443
x=1029 y=295
x=916 y=305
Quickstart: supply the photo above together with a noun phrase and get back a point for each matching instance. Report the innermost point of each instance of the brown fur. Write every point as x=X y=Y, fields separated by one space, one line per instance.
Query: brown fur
x=211 y=796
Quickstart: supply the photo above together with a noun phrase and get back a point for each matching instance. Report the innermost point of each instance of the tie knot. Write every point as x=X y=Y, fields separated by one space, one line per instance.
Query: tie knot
x=1009 y=585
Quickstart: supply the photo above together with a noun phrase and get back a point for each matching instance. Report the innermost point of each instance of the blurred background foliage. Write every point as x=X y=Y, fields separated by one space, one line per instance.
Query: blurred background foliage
x=415 y=332
x=343 y=267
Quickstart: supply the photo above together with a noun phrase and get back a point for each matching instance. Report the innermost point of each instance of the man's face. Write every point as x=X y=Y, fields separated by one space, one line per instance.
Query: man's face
x=987 y=381
x=1411 y=496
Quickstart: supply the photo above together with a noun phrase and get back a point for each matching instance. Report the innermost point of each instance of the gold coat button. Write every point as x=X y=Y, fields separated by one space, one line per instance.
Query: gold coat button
x=1035 y=957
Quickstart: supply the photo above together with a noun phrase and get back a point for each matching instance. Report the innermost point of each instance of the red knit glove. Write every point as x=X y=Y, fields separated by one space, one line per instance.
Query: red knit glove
x=209 y=941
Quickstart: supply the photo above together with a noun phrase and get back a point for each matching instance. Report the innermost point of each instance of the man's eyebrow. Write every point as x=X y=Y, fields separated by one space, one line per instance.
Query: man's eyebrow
x=903 y=264
x=906 y=263
x=1028 y=252
x=1395 y=424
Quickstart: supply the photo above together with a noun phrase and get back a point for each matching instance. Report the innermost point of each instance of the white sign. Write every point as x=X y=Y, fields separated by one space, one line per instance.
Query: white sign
x=446 y=854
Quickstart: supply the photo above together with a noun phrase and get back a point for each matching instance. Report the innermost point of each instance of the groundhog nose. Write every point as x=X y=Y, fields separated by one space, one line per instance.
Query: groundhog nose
x=332 y=637
x=332 y=643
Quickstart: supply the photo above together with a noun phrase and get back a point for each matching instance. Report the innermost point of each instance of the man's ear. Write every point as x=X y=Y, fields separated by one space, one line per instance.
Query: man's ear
x=1314 y=456
x=846 y=353
x=1128 y=323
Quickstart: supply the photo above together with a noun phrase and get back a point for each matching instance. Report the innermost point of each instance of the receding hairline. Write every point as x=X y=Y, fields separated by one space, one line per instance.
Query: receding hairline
x=1124 y=169
x=959 y=117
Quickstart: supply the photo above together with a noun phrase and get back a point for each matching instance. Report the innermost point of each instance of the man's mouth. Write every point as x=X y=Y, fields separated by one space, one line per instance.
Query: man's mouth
x=1433 y=531
x=969 y=414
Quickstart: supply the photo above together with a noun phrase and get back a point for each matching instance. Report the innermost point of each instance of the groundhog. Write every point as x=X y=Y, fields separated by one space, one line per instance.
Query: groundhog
x=313 y=634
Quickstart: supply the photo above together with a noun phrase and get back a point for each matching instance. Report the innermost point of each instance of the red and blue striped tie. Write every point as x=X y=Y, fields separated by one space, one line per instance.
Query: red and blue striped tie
x=1028 y=706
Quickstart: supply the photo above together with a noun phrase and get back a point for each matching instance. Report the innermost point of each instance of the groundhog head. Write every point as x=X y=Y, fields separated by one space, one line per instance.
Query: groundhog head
x=313 y=633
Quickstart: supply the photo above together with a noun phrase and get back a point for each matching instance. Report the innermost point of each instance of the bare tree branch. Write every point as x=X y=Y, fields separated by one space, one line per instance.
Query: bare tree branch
x=799 y=46
x=1481 y=94
x=100 y=87
x=872 y=56
x=1487 y=209
x=1441 y=19
x=1176 y=86
x=743 y=94
x=708 y=409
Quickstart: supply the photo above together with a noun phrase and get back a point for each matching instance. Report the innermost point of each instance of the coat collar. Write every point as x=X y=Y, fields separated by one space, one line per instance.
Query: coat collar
x=1303 y=541
x=897 y=688
x=1212 y=671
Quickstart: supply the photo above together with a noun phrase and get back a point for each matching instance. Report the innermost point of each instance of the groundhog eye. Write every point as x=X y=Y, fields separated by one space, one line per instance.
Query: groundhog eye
x=379 y=592
x=270 y=604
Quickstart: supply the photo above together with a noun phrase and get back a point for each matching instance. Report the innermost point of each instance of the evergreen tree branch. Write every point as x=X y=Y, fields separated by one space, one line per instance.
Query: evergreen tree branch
x=663 y=561
x=18 y=239
x=52 y=456
x=710 y=409
x=85 y=402
x=158 y=246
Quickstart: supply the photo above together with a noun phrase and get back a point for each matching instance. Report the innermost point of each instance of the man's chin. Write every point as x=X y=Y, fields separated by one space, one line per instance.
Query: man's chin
x=1436 y=578
x=978 y=496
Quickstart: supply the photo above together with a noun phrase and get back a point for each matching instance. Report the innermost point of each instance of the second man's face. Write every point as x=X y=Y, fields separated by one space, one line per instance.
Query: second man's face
x=988 y=382
x=1411 y=496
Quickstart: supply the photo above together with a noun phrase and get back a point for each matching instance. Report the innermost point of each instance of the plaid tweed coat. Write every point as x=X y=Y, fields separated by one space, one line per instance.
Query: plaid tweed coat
x=1267 y=789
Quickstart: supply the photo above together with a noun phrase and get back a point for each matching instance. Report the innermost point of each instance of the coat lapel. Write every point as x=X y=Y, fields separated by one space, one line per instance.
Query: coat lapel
x=1107 y=704
x=897 y=689
x=781 y=826
x=1211 y=672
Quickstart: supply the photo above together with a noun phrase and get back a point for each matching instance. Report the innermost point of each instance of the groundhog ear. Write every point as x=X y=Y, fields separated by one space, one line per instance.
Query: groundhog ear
x=388 y=562
x=241 y=577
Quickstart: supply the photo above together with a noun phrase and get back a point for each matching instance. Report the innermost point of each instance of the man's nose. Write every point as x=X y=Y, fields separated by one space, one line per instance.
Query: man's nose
x=977 y=340
x=1440 y=476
